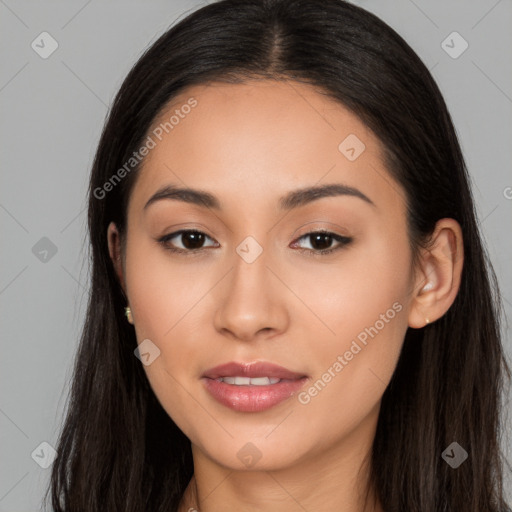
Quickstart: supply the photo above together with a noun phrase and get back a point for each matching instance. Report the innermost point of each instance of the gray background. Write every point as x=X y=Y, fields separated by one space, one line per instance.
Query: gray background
x=53 y=110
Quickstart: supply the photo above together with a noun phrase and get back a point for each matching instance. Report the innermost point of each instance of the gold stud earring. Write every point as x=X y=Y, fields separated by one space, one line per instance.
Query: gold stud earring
x=427 y=321
x=128 y=313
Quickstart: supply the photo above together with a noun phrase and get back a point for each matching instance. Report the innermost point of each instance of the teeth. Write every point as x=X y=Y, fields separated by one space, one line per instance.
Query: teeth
x=247 y=381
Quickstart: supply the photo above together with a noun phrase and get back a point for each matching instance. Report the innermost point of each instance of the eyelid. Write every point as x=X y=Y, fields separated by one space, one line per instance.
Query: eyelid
x=315 y=226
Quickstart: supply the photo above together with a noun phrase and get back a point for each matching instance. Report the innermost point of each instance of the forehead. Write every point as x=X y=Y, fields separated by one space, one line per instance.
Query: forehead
x=261 y=136
x=265 y=106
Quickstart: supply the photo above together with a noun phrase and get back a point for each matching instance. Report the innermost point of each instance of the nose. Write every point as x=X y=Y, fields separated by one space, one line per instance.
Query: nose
x=251 y=302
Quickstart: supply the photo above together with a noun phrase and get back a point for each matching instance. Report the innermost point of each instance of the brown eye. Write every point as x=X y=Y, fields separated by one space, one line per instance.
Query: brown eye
x=191 y=240
x=321 y=242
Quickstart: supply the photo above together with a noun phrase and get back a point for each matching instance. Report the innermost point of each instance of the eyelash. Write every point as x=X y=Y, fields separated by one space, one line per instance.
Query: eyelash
x=342 y=240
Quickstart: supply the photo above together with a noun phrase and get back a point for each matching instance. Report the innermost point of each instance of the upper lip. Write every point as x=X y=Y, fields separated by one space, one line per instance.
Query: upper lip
x=252 y=370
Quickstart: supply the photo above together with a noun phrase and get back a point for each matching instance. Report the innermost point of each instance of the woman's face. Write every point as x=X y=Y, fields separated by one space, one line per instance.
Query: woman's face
x=251 y=288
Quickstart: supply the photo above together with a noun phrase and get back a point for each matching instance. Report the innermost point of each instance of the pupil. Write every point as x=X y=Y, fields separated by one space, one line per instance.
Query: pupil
x=195 y=240
x=318 y=237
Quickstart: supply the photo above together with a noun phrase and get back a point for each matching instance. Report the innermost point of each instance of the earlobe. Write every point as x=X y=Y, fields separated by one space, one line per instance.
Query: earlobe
x=438 y=278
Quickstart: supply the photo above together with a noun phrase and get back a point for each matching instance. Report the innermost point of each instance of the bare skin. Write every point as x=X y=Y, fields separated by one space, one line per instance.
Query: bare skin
x=248 y=145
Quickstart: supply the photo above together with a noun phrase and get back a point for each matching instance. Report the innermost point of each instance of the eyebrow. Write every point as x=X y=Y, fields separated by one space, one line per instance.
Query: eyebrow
x=291 y=200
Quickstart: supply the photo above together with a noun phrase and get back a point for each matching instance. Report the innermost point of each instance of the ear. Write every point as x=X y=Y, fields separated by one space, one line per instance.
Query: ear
x=114 y=249
x=438 y=277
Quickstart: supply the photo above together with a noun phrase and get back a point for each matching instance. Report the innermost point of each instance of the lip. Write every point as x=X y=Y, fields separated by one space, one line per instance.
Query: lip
x=252 y=370
x=247 y=398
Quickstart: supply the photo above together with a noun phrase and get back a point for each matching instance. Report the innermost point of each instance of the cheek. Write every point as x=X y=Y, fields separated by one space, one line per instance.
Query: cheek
x=166 y=303
x=362 y=305
x=350 y=292
x=164 y=298
x=161 y=291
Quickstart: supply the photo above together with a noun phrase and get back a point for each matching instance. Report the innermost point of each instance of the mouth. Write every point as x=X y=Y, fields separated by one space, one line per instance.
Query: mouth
x=252 y=387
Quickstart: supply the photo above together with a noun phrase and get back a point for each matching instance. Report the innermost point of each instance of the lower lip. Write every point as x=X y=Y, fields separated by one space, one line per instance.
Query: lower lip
x=252 y=398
